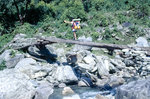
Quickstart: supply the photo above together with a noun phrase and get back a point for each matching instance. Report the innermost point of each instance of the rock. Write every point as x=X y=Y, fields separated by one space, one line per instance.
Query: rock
x=86 y=66
x=102 y=65
x=43 y=52
x=129 y=62
x=115 y=81
x=11 y=63
x=39 y=74
x=98 y=96
x=118 y=63
x=67 y=91
x=71 y=58
x=139 y=89
x=20 y=40
x=65 y=74
x=62 y=85
x=43 y=91
x=82 y=84
x=142 y=42
x=85 y=82
x=89 y=60
x=28 y=66
x=5 y=56
x=15 y=85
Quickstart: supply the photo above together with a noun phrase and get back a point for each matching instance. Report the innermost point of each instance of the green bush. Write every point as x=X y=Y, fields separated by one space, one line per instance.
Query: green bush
x=2 y=65
x=95 y=35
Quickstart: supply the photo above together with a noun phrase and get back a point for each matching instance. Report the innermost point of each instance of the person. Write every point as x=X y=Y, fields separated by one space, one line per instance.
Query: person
x=75 y=25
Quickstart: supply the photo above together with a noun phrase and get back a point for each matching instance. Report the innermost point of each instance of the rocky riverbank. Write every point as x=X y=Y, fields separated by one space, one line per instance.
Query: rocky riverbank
x=34 y=72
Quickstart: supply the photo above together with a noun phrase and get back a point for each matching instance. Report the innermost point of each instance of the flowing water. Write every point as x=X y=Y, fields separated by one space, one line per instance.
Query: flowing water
x=82 y=93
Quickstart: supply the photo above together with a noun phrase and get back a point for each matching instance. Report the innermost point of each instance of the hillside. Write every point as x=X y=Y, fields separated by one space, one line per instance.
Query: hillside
x=107 y=21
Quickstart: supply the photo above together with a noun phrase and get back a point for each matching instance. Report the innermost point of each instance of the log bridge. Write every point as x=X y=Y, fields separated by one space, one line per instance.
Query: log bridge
x=110 y=47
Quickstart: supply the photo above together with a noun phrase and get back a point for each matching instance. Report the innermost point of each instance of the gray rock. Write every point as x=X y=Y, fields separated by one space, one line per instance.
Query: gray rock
x=134 y=90
x=5 y=56
x=142 y=42
x=103 y=66
x=20 y=40
x=118 y=63
x=15 y=85
x=67 y=91
x=129 y=62
x=11 y=63
x=98 y=96
x=115 y=81
x=43 y=52
x=65 y=74
x=71 y=58
x=86 y=66
x=28 y=66
x=43 y=91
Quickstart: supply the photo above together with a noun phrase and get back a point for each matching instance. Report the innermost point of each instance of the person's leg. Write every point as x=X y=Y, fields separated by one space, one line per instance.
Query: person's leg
x=75 y=37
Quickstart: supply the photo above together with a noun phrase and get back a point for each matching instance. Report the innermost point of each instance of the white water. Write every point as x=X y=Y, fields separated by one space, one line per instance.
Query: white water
x=82 y=93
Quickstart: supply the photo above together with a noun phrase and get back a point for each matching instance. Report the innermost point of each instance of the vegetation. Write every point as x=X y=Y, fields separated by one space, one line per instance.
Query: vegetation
x=2 y=65
x=47 y=16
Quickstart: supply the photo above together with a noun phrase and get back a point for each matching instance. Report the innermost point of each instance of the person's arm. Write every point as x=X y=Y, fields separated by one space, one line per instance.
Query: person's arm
x=67 y=22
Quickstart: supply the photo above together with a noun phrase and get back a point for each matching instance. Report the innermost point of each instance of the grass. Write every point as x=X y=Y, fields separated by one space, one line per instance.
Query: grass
x=2 y=65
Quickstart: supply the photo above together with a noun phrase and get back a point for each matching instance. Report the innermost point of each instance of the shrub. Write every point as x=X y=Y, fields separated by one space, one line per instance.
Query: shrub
x=2 y=65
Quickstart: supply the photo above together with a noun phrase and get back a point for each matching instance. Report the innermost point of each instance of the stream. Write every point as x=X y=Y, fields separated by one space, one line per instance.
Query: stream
x=83 y=93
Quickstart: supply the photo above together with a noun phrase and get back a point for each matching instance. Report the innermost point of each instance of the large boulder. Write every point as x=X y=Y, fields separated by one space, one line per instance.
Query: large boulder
x=43 y=91
x=103 y=65
x=20 y=40
x=139 y=89
x=15 y=85
x=65 y=74
x=43 y=52
x=29 y=67
x=142 y=42
x=12 y=62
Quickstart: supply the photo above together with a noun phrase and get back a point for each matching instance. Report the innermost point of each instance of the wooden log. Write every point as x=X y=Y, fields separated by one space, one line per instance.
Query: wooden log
x=50 y=40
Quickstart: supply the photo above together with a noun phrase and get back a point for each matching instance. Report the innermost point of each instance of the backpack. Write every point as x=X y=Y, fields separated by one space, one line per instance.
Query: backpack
x=76 y=23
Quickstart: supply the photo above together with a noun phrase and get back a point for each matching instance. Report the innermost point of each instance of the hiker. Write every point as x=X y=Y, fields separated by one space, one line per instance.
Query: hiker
x=75 y=25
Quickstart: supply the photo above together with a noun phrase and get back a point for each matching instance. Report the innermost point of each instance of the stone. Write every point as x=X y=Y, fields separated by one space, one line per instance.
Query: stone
x=89 y=60
x=139 y=89
x=65 y=74
x=129 y=62
x=43 y=52
x=142 y=42
x=62 y=85
x=86 y=66
x=115 y=81
x=118 y=63
x=43 y=91
x=102 y=65
x=71 y=58
x=98 y=96
x=12 y=62
x=67 y=91
x=39 y=74
x=82 y=84
x=15 y=85
x=85 y=82
x=28 y=66
x=5 y=56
